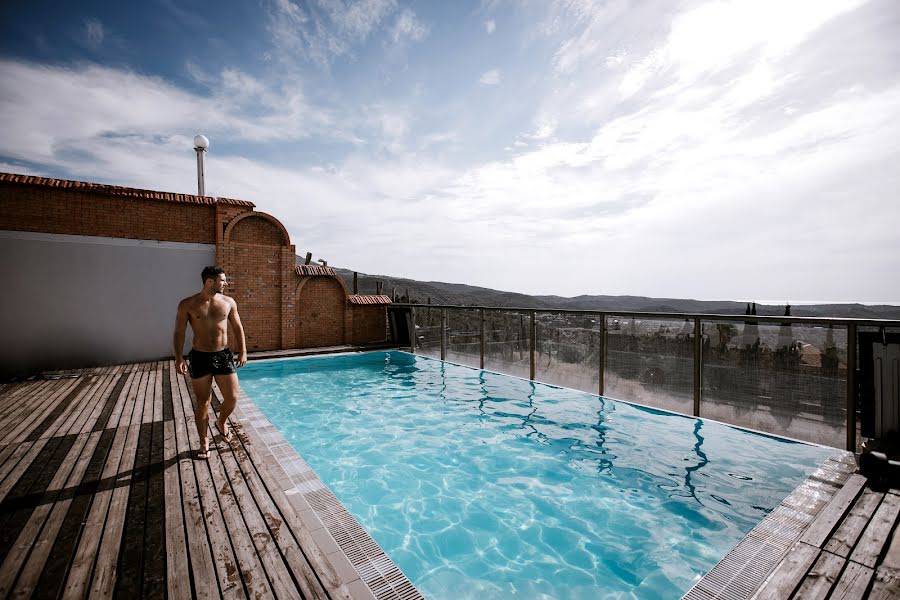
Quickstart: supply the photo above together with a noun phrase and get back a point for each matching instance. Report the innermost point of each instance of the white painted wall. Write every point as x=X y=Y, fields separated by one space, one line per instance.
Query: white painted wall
x=72 y=301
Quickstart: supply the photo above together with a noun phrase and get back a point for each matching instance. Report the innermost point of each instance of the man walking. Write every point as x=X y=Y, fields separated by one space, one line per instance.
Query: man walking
x=209 y=313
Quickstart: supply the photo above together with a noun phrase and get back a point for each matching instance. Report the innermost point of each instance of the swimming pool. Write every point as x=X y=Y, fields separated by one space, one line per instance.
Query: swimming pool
x=482 y=485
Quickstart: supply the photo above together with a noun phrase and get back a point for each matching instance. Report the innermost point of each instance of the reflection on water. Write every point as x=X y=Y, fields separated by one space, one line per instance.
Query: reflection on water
x=484 y=486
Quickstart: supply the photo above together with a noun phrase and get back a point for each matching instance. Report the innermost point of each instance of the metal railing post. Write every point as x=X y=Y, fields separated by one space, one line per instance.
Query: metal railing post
x=698 y=366
x=443 y=334
x=851 y=387
x=602 y=351
x=532 y=336
x=412 y=333
x=481 y=339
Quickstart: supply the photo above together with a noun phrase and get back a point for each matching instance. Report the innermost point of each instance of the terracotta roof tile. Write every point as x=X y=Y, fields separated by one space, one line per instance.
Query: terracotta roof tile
x=373 y=299
x=314 y=270
x=116 y=190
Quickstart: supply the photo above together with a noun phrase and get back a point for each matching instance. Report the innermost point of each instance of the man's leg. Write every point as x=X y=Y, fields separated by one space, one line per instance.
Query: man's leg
x=228 y=384
x=203 y=394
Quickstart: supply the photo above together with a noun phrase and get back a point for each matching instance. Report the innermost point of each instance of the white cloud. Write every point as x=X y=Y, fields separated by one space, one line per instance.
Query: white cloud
x=408 y=26
x=645 y=159
x=327 y=29
x=93 y=32
x=491 y=77
x=490 y=26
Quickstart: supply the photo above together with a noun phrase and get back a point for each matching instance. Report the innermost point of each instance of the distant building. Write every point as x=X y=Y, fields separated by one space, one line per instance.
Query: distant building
x=92 y=274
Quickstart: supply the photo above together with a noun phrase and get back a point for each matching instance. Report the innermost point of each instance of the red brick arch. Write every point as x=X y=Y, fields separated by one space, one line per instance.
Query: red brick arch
x=321 y=305
x=255 y=227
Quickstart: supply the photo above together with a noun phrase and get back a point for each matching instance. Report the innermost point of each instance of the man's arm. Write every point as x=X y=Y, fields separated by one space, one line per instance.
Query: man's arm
x=181 y=319
x=235 y=319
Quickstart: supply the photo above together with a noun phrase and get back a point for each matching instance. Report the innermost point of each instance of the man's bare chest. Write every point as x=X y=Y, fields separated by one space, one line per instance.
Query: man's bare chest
x=209 y=312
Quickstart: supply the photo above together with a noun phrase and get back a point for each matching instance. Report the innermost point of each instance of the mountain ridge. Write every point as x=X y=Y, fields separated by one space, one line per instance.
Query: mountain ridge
x=462 y=294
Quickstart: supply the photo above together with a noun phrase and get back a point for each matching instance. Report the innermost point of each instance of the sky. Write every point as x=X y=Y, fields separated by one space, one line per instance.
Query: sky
x=730 y=149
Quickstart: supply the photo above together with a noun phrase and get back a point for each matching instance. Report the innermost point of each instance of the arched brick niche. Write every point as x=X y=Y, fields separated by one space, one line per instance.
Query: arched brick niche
x=256 y=228
x=257 y=256
x=321 y=307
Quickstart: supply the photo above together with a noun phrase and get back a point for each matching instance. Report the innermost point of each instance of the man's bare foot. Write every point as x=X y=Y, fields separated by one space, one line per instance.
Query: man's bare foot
x=203 y=452
x=223 y=427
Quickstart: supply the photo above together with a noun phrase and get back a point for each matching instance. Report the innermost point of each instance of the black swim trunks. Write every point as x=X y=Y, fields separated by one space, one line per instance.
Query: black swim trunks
x=201 y=364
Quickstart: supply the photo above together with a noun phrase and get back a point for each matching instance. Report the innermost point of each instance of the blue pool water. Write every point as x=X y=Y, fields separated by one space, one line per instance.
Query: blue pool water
x=480 y=485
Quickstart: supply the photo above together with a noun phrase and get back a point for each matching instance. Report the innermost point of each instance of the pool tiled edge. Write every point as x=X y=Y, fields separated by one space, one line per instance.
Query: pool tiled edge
x=364 y=568
x=743 y=570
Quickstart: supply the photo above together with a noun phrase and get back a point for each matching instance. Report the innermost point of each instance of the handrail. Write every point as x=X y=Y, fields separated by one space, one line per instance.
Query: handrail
x=852 y=325
x=674 y=315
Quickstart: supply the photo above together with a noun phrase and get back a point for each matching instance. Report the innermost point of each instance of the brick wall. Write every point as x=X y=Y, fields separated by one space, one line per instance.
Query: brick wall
x=320 y=308
x=252 y=256
x=369 y=324
x=73 y=212
x=278 y=307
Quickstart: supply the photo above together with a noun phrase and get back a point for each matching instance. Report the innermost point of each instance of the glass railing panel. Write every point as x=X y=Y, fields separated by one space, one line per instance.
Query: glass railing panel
x=785 y=379
x=428 y=331
x=567 y=350
x=463 y=337
x=651 y=361
x=506 y=342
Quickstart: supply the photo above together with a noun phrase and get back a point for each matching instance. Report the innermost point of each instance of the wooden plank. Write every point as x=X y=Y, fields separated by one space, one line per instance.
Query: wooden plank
x=108 y=554
x=158 y=394
x=51 y=422
x=876 y=534
x=93 y=402
x=844 y=539
x=789 y=573
x=237 y=512
x=325 y=581
x=33 y=407
x=32 y=415
x=826 y=521
x=154 y=583
x=6 y=452
x=17 y=463
x=22 y=395
x=96 y=403
x=178 y=580
x=25 y=495
x=111 y=401
x=128 y=577
x=79 y=578
x=821 y=577
x=258 y=512
x=200 y=557
x=886 y=585
x=853 y=582
x=39 y=534
x=121 y=402
x=278 y=512
x=60 y=421
x=892 y=556
x=224 y=561
x=53 y=575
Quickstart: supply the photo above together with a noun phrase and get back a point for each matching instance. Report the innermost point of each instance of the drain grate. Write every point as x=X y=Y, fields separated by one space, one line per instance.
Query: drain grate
x=746 y=567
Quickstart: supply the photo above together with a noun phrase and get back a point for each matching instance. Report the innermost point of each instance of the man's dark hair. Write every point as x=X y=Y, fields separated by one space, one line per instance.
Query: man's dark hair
x=211 y=272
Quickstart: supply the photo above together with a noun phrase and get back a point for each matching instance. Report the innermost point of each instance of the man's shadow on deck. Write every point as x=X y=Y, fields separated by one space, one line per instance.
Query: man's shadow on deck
x=144 y=474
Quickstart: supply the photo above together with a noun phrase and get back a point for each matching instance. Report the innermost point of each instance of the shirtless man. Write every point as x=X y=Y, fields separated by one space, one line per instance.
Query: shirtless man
x=209 y=313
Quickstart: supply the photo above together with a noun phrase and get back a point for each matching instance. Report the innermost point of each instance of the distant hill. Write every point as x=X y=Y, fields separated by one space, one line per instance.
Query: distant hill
x=469 y=295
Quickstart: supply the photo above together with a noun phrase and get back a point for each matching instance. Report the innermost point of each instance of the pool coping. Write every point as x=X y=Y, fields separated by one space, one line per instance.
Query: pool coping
x=365 y=569
x=741 y=573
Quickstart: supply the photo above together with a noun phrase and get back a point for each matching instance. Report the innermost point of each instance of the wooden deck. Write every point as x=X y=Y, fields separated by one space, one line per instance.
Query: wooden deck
x=833 y=537
x=101 y=496
x=851 y=550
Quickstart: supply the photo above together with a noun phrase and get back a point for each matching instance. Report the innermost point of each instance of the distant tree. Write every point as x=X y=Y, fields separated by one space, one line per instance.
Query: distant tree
x=753 y=309
x=747 y=312
x=787 y=310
